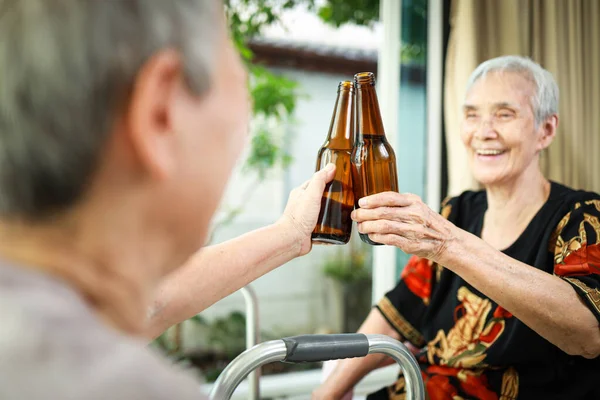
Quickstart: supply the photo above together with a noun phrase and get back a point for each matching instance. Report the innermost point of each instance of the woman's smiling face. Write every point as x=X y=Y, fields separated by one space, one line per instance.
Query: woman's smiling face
x=499 y=129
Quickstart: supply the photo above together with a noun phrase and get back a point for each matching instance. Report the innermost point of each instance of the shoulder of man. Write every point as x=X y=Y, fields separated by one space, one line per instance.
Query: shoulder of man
x=81 y=362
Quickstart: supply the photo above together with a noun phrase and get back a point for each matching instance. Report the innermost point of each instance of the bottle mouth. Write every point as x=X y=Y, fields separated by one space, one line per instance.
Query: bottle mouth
x=346 y=86
x=364 y=78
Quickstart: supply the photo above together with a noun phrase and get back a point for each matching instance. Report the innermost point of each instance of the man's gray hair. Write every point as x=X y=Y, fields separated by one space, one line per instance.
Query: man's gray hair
x=545 y=99
x=66 y=68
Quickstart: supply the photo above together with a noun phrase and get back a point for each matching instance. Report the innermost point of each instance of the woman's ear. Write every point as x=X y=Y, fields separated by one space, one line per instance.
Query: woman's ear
x=547 y=132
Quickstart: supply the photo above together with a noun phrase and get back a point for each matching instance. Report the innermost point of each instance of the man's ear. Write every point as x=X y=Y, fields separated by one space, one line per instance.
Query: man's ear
x=547 y=132
x=149 y=119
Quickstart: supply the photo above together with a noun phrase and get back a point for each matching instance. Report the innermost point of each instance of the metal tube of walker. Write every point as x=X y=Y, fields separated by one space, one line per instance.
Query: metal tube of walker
x=415 y=390
x=310 y=347
x=252 y=338
x=248 y=361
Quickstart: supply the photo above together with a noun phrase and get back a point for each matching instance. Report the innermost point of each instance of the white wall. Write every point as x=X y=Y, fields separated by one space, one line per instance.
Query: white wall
x=293 y=298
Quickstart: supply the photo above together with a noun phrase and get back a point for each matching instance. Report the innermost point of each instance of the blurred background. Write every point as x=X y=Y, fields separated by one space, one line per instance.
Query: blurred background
x=422 y=52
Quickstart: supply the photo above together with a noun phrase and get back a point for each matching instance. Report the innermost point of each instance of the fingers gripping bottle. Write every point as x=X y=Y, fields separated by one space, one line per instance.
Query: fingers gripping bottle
x=373 y=159
x=334 y=224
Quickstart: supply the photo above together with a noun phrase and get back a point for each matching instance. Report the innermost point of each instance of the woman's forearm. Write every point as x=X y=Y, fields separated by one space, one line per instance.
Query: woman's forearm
x=217 y=271
x=544 y=302
x=349 y=372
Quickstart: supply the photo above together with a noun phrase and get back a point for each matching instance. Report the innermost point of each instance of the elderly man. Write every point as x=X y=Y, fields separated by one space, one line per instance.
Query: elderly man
x=120 y=122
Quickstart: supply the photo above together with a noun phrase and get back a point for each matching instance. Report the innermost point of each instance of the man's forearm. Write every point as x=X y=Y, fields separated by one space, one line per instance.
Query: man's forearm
x=219 y=270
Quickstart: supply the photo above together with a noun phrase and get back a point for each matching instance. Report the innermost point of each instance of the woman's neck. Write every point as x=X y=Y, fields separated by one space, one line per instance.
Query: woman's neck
x=512 y=205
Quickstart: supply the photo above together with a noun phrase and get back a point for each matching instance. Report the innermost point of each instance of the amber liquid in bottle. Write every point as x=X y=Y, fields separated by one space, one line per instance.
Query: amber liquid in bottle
x=334 y=224
x=373 y=159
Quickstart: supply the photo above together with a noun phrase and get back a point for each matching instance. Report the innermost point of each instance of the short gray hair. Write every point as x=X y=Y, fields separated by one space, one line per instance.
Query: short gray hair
x=66 y=68
x=545 y=99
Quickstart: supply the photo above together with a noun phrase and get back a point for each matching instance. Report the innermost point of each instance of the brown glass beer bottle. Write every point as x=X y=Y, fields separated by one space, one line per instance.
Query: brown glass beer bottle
x=373 y=159
x=334 y=224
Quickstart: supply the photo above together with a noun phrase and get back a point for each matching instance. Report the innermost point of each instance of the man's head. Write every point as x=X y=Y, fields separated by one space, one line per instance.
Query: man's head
x=110 y=103
x=510 y=115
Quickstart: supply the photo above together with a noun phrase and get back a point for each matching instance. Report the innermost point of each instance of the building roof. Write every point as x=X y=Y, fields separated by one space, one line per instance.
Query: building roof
x=301 y=40
x=313 y=56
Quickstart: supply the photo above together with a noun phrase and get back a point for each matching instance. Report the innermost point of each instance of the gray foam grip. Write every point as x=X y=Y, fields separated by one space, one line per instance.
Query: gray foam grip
x=312 y=348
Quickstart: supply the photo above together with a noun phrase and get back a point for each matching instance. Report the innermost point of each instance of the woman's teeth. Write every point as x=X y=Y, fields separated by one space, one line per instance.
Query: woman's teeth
x=489 y=152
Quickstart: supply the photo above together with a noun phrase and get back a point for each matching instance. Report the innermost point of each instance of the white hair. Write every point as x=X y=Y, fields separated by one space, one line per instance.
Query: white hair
x=64 y=67
x=545 y=99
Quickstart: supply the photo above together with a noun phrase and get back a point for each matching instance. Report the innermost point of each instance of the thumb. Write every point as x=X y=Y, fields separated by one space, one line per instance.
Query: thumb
x=316 y=186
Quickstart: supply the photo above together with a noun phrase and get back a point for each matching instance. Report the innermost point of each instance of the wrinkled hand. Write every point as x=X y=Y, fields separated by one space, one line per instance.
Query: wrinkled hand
x=303 y=206
x=404 y=221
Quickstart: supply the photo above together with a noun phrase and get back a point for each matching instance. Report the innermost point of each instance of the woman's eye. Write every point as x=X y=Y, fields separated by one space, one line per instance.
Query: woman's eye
x=471 y=115
x=505 y=115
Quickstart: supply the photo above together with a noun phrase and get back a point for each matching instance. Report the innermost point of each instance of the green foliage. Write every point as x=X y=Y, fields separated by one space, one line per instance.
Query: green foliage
x=227 y=335
x=248 y=17
x=170 y=347
x=348 y=267
x=274 y=96
x=164 y=344
x=366 y=12
x=340 y=12
x=264 y=153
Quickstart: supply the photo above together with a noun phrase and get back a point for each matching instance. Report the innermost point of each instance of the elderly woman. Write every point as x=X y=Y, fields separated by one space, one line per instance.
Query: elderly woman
x=501 y=298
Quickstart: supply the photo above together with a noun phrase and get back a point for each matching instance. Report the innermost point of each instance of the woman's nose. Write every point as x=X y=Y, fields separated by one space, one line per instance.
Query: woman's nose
x=486 y=130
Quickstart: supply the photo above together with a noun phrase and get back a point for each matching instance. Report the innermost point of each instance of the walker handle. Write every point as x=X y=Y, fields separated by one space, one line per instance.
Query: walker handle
x=314 y=348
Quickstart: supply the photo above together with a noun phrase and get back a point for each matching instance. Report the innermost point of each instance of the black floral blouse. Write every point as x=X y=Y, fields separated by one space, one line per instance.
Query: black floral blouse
x=472 y=348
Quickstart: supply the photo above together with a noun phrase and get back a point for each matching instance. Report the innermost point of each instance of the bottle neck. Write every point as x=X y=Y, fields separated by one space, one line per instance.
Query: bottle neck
x=368 y=115
x=341 y=130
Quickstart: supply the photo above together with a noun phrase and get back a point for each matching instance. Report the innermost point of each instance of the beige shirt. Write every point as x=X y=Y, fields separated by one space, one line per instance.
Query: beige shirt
x=53 y=347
